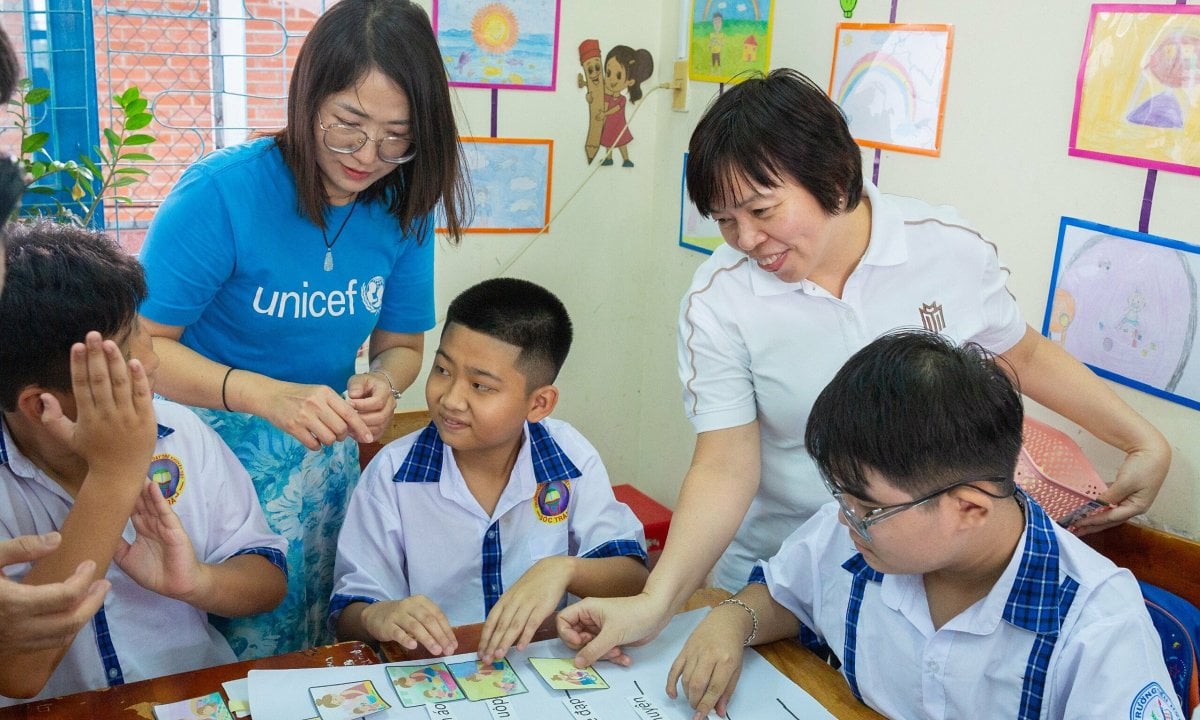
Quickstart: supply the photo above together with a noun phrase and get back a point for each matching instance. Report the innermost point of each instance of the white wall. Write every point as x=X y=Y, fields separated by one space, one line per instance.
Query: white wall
x=613 y=257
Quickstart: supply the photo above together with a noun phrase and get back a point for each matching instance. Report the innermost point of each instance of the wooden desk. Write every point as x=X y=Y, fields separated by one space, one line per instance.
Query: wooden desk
x=788 y=656
x=134 y=701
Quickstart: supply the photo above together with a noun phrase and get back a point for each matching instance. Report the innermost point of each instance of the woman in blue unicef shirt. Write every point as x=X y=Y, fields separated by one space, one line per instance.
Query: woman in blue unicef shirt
x=271 y=261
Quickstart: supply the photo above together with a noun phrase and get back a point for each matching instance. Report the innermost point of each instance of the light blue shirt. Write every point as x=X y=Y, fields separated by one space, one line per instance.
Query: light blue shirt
x=230 y=257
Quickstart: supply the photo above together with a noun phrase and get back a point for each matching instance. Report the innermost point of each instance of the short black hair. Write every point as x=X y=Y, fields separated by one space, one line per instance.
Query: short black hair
x=519 y=313
x=63 y=281
x=921 y=411
x=769 y=129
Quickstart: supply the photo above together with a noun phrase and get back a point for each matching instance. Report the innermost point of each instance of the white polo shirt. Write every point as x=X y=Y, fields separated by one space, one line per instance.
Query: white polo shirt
x=752 y=346
x=1107 y=661
x=413 y=527
x=140 y=634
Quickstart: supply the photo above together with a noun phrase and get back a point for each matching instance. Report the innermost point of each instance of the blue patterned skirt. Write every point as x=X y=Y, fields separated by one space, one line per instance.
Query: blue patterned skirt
x=304 y=495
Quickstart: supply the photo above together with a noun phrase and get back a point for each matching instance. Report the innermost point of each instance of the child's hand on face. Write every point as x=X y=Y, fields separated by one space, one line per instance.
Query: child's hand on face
x=522 y=608
x=161 y=558
x=114 y=429
x=412 y=621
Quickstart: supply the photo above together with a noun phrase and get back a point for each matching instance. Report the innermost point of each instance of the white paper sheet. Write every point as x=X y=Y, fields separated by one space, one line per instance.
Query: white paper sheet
x=763 y=693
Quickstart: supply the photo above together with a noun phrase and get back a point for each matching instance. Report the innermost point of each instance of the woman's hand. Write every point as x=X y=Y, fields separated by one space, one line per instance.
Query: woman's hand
x=313 y=414
x=599 y=628
x=371 y=397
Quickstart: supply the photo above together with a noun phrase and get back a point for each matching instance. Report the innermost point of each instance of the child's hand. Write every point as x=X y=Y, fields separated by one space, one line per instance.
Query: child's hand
x=523 y=607
x=411 y=621
x=114 y=429
x=710 y=662
x=161 y=558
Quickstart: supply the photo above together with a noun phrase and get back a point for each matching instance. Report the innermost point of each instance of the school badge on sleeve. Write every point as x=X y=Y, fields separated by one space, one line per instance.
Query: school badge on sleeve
x=1153 y=703
x=166 y=471
x=551 y=501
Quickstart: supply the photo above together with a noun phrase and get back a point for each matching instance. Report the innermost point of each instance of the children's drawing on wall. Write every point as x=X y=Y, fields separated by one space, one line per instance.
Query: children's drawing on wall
x=1125 y=303
x=730 y=37
x=890 y=81
x=499 y=44
x=510 y=182
x=1137 y=97
x=625 y=69
x=592 y=78
x=696 y=232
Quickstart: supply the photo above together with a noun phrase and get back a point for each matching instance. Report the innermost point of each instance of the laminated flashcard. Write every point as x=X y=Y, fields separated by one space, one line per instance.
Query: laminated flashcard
x=347 y=700
x=483 y=681
x=561 y=674
x=418 y=685
x=206 y=707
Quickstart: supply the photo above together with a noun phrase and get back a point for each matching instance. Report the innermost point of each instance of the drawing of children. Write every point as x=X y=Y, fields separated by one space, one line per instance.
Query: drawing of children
x=625 y=69
x=575 y=677
x=716 y=40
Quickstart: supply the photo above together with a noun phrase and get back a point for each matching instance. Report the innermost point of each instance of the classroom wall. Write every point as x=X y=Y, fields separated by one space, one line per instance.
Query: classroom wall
x=612 y=255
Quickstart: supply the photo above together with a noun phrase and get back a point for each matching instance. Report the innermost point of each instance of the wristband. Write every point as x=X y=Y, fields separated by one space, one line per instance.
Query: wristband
x=224 y=383
x=753 y=618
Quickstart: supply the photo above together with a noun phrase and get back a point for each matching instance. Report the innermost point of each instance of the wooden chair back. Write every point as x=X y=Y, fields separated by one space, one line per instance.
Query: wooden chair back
x=404 y=422
x=1169 y=561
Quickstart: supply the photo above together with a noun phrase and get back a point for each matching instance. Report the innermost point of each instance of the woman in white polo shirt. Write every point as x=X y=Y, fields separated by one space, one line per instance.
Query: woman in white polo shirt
x=818 y=263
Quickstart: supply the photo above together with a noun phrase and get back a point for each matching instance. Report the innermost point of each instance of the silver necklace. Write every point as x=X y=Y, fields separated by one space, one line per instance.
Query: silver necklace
x=330 y=243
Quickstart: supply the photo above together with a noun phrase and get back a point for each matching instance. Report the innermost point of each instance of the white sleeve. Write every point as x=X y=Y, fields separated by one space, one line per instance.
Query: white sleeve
x=1112 y=667
x=600 y=525
x=1003 y=323
x=793 y=575
x=371 y=560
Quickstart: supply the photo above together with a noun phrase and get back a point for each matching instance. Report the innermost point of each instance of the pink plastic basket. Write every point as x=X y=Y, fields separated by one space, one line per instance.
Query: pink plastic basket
x=1053 y=470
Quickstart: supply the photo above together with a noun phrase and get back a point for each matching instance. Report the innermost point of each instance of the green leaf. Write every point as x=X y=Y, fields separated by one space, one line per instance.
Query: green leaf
x=122 y=199
x=124 y=181
x=138 y=121
x=146 y=157
x=34 y=142
x=132 y=171
x=40 y=190
x=136 y=106
x=139 y=139
x=113 y=139
x=90 y=165
x=37 y=96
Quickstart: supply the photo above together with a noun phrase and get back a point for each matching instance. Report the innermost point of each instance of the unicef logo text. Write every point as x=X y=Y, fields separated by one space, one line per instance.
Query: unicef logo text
x=307 y=303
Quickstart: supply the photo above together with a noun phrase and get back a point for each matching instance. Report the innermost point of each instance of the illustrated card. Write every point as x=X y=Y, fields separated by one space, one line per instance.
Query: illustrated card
x=424 y=684
x=347 y=700
x=561 y=674
x=483 y=681
x=238 y=692
x=206 y=707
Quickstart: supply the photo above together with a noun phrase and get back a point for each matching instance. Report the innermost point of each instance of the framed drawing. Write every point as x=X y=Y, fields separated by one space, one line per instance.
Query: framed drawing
x=1124 y=303
x=1137 y=94
x=499 y=43
x=696 y=232
x=726 y=39
x=510 y=181
x=890 y=81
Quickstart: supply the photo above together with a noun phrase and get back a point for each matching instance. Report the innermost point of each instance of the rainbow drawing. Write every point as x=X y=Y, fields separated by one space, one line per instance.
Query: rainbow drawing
x=883 y=67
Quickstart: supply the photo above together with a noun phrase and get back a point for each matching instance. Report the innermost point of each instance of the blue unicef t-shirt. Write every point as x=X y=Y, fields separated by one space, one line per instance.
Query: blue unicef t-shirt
x=230 y=257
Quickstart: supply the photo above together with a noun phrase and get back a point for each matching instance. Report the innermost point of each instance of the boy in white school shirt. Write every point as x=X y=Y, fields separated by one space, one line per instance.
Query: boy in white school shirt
x=943 y=590
x=494 y=512
x=189 y=541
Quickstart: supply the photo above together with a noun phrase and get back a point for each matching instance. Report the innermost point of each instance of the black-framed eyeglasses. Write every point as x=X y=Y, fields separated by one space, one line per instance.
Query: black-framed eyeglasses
x=347 y=140
x=860 y=523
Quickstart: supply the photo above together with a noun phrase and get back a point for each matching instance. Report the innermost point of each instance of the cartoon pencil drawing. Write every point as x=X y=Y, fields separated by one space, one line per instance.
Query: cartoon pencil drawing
x=592 y=78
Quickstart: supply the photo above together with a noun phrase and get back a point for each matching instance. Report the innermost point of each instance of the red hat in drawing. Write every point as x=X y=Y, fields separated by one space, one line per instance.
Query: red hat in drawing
x=589 y=49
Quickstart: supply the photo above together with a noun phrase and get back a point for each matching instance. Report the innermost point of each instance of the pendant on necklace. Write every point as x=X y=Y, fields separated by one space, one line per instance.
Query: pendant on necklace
x=328 y=259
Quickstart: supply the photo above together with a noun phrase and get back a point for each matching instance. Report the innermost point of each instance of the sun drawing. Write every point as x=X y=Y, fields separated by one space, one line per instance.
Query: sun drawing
x=494 y=28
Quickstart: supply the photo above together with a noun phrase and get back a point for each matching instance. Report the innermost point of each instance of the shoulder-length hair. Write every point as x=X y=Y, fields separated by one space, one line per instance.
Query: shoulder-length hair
x=395 y=37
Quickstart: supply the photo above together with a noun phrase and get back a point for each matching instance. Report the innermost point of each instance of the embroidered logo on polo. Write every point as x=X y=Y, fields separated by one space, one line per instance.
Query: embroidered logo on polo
x=551 y=501
x=1153 y=702
x=166 y=471
x=309 y=303
x=932 y=318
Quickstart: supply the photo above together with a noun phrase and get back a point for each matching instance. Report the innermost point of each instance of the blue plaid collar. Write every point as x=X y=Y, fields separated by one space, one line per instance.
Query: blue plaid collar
x=857 y=565
x=1033 y=602
x=424 y=460
x=162 y=431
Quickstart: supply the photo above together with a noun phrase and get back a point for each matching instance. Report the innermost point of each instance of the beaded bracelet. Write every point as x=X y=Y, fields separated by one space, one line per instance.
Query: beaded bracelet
x=753 y=618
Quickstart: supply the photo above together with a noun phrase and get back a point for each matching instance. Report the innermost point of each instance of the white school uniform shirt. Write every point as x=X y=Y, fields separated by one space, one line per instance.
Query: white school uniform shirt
x=751 y=346
x=1063 y=624
x=413 y=527
x=140 y=634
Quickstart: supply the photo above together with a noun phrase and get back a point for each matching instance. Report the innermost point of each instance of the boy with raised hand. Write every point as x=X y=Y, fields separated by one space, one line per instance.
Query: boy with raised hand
x=943 y=590
x=495 y=511
x=189 y=542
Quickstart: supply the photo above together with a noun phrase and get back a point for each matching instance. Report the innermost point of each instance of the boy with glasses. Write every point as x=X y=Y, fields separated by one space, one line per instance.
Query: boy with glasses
x=949 y=593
